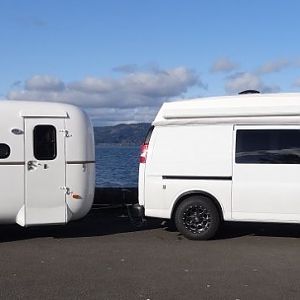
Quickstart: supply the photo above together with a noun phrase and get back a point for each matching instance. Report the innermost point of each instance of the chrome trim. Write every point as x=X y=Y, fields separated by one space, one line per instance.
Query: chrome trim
x=79 y=162
x=12 y=163
x=197 y=177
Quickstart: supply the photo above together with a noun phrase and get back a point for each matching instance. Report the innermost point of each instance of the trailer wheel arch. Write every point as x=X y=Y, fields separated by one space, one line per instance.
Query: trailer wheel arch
x=188 y=194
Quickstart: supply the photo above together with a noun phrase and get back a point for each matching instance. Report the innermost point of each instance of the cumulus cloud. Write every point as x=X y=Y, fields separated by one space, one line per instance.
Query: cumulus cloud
x=274 y=66
x=16 y=84
x=296 y=83
x=111 y=116
x=138 y=94
x=242 y=81
x=128 y=68
x=223 y=65
x=44 y=83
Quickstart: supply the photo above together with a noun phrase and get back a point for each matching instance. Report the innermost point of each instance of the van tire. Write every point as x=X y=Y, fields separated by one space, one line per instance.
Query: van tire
x=197 y=218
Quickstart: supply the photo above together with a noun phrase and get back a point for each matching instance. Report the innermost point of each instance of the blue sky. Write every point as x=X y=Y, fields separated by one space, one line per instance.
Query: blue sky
x=120 y=60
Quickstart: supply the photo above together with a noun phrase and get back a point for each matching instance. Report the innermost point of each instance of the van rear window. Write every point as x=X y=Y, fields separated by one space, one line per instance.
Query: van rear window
x=44 y=142
x=148 y=135
x=268 y=146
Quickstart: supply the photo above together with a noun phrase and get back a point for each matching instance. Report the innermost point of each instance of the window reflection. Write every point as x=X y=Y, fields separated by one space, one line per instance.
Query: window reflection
x=268 y=146
x=44 y=142
x=4 y=151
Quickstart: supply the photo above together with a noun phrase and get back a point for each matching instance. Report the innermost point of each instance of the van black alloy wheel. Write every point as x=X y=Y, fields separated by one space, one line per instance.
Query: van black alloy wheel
x=197 y=218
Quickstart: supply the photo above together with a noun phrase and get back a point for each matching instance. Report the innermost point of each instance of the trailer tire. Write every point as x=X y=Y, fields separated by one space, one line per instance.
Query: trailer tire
x=197 y=218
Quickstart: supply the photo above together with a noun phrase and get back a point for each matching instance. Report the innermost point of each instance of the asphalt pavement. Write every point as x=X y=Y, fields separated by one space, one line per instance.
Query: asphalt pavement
x=103 y=256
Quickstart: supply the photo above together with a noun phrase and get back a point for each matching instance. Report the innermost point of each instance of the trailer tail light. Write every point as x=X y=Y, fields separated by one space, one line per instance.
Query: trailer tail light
x=143 y=154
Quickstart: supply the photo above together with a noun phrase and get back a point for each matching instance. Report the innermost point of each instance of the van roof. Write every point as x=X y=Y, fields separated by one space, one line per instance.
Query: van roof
x=249 y=108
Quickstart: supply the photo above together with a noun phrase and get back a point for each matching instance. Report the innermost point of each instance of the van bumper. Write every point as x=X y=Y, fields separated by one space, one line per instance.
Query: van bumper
x=136 y=211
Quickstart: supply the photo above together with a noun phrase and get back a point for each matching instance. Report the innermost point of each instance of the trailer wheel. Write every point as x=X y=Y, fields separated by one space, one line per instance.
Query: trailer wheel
x=197 y=218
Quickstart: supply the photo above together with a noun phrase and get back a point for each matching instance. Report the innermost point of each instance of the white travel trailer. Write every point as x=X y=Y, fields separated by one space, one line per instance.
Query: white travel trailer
x=47 y=163
x=231 y=158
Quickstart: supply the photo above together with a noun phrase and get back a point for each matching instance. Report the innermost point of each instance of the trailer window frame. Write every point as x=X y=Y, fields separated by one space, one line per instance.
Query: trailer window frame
x=44 y=142
x=4 y=151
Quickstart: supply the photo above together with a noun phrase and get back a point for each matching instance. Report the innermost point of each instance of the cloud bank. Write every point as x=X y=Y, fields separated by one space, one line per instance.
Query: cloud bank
x=275 y=66
x=296 y=83
x=134 y=97
x=223 y=65
x=242 y=81
x=136 y=92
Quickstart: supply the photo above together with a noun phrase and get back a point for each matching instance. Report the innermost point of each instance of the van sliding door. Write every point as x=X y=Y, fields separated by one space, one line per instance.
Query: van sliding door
x=44 y=171
x=266 y=173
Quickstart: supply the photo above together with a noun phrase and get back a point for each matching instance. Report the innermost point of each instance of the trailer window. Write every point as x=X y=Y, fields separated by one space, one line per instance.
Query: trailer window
x=268 y=146
x=4 y=151
x=44 y=142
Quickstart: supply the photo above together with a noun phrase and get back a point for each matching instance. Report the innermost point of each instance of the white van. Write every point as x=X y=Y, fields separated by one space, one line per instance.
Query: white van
x=231 y=158
x=47 y=163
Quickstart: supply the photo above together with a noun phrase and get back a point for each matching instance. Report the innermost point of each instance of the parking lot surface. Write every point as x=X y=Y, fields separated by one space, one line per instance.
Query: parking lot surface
x=104 y=257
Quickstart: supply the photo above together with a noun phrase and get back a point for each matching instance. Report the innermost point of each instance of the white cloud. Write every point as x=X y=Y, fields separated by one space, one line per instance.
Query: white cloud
x=223 y=64
x=296 y=83
x=247 y=81
x=274 y=66
x=128 y=68
x=134 y=97
x=111 y=116
x=243 y=81
x=44 y=83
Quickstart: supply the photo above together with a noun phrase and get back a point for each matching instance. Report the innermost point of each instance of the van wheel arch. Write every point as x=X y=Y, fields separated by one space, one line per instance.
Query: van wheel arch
x=187 y=195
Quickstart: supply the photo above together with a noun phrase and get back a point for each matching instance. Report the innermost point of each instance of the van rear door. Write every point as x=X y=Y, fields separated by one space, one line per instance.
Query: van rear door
x=45 y=189
x=142 y=166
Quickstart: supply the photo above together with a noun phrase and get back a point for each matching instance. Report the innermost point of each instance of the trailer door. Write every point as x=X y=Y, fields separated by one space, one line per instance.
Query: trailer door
x=45 y=190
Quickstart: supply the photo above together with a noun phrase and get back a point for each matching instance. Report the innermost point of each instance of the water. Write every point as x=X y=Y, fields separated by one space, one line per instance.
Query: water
x=117 y=166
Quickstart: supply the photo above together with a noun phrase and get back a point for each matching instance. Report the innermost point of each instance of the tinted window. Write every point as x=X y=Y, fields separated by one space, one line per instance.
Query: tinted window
x=268 y=146
x=44 y=142
x=4 y=151
x=148 y=135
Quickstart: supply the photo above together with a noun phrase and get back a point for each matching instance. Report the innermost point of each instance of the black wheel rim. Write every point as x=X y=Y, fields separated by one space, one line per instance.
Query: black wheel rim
x=196 y=219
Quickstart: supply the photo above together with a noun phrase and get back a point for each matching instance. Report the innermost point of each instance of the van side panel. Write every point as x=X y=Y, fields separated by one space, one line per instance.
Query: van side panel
x=188 y=158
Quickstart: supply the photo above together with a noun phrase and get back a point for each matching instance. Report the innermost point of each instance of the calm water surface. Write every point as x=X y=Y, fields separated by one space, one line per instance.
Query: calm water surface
x=117 y=166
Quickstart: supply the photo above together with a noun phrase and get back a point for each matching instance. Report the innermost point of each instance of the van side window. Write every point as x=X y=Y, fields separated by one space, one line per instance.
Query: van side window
x=4 y=151
x=268 y=146
x=44 y=142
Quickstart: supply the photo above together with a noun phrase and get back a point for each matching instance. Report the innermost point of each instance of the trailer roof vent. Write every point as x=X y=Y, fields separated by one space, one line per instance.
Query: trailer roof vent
x=249 y=92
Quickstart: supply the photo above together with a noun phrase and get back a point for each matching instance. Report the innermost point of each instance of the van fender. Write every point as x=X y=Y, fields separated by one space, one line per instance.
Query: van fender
x=187 y=194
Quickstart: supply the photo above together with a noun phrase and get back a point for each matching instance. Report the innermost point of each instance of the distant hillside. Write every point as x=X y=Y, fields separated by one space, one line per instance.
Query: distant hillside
x=121 y=134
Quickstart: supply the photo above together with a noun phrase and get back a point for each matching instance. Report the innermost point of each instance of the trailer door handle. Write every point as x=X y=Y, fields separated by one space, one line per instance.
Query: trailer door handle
x=32 y=164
